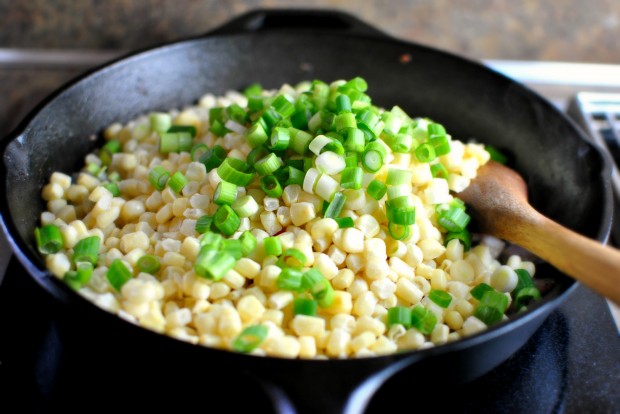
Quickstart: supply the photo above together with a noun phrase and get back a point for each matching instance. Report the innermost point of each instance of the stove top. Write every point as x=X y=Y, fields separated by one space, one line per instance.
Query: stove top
x=570 y=365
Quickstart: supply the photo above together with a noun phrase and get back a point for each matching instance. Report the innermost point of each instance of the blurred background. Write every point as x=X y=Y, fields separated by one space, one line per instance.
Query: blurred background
x=563 y=30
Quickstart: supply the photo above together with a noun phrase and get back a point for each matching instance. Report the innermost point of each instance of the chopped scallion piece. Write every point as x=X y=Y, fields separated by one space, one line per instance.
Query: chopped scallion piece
x=272 y=246
x=351 y=177
x=228 y=172
x=158 y=177
x=454 y=219
x=268 y=164
x=496 y=155
x=250 y=338
x=49 y=239
x=492 y=307
x=271 y=186
x=225 y=193
x=440 y=297
x=335 y=206
x=424 y=320
x=118 y=274
x=344 y=222
x=245 y=206
x=463 y=236
x=213 y=157
x=376 y=189
x=187 y=129
x=399 y=315
x=226 y=220
x=203 y=224
x=289 y=279
x=304 y=306
x=87 y=250
x=148 y=264
x=177 y=182
x=248 y=243
x=425 y=152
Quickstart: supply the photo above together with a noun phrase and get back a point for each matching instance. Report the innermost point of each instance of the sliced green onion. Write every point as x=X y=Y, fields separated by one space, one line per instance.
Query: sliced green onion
x=254 y=89
x=198 y=151
x=211 y=240
x=256 y=103
x=236 y=114
x=323 y=292
x=290 y=175
x=272 y=246
x=440 y=297
x=373 y=156
x=336 y=205
x=401 y=211
x=84 y=272
x=496 y=155
x=225 y=193
x=248 y=243
x=292 y=257
x=397 y=191
x=396 y=176
x=213 y=157
x=280 y=139
x=250 y=338
x=175 y=142
x=118 y=274
x=492 y=307
x=49 y=239
x=299 y=140
x=351 y=177
x=245 y=206
x=355 y=140
x=271 y=186
x=438 y=139
x=71 y=279
x=228 y=172
x=399 y=232
x=357 y=84
x=300 y=119
x=439 y=171
x=289 y=279
x=283 y=106
x=256 y=135
x=112 y=188
x=93 y=168
x=344 y=222
x=304 y=306
x=232 y=247
x=454 y=219
x=399 y=315
x=187 y=129
x=160 y=122
x=376 y=189
x=148 y=264
x=343 y=104
x=268 y=164
x=351 y=159
x=158 y=177
x=213 y=264
x=425 y=152
x=424 y=320
x=203 y=224
x=87 y=250
x=111 y=147
x=270 y=118
x=177 y=182
x=479 y=291
x=463 y=236
x=218 y=128
x=226 y=220
x=322 y=120
x=311 y=278
x=345 y=121
x=402 y=143
x=526 y=290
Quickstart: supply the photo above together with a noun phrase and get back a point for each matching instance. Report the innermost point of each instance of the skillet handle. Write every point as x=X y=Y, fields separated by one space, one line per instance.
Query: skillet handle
x=299 y=19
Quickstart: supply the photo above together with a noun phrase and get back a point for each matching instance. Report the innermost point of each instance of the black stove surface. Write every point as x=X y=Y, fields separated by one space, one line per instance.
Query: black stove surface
x=570 y=365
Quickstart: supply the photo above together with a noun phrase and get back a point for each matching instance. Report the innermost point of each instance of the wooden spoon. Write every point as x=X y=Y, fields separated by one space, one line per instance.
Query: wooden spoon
x=498 y=196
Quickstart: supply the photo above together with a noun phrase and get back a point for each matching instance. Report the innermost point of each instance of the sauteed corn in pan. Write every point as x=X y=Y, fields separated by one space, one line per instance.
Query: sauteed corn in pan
x=303 y=222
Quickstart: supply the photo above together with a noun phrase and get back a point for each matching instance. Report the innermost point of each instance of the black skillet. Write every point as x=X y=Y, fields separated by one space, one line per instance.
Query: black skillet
x=568 y=179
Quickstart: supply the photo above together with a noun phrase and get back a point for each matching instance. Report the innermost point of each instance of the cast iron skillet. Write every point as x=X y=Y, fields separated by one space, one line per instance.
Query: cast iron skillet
x=567 y=176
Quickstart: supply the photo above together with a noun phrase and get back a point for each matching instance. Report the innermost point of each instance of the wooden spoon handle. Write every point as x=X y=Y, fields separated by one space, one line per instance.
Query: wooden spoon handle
x=586 y=260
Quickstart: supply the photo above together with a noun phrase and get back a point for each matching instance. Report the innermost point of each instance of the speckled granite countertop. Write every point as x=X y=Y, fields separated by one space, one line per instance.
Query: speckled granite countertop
x=565 y=30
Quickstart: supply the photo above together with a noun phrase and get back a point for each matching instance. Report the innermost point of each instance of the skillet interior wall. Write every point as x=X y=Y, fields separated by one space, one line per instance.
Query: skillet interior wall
x=565 y=30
